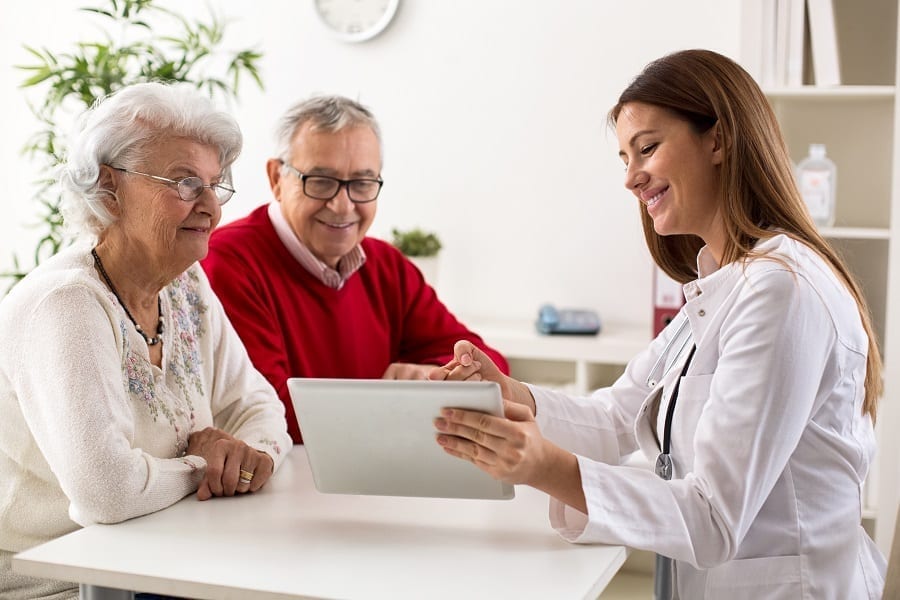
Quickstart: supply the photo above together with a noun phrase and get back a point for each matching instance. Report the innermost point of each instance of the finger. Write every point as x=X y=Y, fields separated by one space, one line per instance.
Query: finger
x=215 y=466
x=438 y=373
x=239 y=465
x=467 y=354
x=463 y=372
x=467 y=450
x=249 y=474
x=203 y=492
x=265 y=466
x=517 y=412
x=477 y=436
x=495 y=426
x=390 y=372
x=464 y=352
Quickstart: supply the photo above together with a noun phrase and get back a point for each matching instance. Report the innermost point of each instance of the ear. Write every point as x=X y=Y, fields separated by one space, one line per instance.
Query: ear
x=718 y=144
x=273 y=170
x=108 y=181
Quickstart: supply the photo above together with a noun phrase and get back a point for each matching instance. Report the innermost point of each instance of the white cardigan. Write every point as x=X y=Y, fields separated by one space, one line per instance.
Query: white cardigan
x=769 y=445
x=93 y=432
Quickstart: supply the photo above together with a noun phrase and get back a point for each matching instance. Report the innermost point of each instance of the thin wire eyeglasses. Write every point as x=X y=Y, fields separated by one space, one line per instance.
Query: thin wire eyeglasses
x=322 y=187
x=189 y=188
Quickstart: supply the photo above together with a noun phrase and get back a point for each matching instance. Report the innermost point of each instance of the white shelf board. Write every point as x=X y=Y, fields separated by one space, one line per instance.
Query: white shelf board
x=842 y=92
x=856 y=233
x=616 y=343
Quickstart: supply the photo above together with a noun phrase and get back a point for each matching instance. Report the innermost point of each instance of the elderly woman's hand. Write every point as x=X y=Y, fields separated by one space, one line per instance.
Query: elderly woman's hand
x=231 y=465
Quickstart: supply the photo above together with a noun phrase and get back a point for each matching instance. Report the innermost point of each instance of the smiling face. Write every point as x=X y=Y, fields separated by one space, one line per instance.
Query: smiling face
x=154 y=223
x=329 y=229
x=673 y=171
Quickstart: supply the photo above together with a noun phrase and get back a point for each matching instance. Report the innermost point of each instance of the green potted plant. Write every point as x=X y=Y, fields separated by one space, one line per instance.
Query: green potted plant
x=416 y=242
x=65 y=83
x=421 y=247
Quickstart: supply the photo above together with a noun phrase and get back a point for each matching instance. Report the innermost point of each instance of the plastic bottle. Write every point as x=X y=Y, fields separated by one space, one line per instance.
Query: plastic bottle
x=816 y=178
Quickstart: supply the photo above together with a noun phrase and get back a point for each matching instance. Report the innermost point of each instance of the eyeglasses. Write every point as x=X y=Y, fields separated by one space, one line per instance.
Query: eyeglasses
x=190 y=188
x=322 y=187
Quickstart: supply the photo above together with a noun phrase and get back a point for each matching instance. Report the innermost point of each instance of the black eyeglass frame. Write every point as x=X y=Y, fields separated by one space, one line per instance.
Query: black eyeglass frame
x=303 y=177
x=180 y=184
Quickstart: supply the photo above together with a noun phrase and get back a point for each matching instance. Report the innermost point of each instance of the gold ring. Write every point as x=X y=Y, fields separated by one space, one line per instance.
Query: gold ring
x=246 y=476
x=243 y=480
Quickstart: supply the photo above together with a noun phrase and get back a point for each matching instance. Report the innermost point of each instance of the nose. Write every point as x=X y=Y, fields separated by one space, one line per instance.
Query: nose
x=207 y=202
x=341 y=203
x=635 y=177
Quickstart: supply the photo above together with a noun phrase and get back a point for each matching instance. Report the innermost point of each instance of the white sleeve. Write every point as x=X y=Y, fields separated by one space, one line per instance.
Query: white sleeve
x=69 y=382
x=601 y=426
x=244 y=403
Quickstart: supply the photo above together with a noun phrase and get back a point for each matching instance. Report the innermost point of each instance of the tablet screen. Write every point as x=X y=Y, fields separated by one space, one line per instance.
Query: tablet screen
x=376 y=436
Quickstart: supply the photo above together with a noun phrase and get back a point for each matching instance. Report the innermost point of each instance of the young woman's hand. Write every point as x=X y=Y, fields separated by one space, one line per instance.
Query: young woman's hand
x=469 y=363
x=512 y=449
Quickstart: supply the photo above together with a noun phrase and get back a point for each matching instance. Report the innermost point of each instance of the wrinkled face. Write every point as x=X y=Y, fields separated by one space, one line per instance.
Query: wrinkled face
x=169 y=232
x=329 y=228
x=673 y=171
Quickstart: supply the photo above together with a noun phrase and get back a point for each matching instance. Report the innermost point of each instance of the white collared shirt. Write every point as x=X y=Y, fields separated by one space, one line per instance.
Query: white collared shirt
x=349 y=264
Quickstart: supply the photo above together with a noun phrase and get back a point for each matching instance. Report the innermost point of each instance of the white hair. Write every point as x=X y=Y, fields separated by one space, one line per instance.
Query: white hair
x=122 y=129
x=328 y=113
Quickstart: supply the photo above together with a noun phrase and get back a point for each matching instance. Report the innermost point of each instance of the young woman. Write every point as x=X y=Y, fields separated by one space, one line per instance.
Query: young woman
x=756 y=403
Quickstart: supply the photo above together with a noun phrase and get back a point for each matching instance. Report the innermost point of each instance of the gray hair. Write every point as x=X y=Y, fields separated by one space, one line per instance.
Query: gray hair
x=122 y=130
x=329 y=113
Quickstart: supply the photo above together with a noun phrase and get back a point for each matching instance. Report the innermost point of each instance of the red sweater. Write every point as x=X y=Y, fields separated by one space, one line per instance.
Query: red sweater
x=295 y=326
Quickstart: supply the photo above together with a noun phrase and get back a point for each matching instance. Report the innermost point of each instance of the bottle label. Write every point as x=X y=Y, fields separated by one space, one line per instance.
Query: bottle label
x=815 y=187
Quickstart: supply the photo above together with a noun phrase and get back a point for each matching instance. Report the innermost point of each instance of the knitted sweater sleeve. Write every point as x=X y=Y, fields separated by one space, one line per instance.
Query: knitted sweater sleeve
x=68 y=376
x=243 y=402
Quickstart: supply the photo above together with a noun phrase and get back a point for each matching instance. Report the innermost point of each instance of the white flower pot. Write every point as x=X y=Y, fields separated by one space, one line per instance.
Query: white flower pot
x=429 y=267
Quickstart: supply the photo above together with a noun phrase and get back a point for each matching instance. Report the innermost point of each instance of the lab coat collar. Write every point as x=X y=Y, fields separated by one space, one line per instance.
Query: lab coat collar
x=705 y=294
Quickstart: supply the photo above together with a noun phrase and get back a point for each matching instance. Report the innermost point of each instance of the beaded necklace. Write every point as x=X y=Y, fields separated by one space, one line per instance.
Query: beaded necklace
x=151 y=341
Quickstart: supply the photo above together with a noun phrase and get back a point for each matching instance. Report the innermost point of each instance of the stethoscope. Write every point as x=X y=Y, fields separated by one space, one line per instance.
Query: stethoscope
x=652 y=378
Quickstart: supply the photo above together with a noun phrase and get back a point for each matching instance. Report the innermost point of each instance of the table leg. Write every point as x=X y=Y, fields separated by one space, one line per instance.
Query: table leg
x=662 y=579
x=95 y=592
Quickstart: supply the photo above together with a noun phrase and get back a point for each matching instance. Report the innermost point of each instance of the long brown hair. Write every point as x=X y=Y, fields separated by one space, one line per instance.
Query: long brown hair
x=757 y=182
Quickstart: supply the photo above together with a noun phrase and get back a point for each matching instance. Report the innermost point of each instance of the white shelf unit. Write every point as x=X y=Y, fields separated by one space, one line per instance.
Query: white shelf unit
x=858 y=123
x=573 y=362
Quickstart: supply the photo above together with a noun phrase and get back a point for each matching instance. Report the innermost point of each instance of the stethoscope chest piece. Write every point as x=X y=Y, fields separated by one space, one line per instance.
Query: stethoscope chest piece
x=663 y=467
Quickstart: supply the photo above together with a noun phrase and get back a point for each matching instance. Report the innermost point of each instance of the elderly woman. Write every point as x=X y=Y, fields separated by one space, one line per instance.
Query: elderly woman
x=123 y=387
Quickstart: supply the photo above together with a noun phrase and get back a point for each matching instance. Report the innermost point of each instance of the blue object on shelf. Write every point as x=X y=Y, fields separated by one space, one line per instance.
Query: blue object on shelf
x=552 y=320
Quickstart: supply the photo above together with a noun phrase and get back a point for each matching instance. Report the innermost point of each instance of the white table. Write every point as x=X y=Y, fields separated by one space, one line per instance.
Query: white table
x=289 y=541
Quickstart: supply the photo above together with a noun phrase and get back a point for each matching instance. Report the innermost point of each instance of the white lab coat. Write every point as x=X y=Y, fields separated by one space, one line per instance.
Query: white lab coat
x=769 y=444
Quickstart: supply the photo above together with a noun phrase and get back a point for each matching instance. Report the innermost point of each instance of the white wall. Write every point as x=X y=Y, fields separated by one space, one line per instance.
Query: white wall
x=494 y=122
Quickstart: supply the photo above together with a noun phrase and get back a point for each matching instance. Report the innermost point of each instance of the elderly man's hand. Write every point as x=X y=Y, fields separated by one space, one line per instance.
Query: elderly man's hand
x=231 y=465
x=407 y=371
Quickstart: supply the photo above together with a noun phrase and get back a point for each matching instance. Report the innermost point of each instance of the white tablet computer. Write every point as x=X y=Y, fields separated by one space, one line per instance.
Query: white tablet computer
x=377 y=436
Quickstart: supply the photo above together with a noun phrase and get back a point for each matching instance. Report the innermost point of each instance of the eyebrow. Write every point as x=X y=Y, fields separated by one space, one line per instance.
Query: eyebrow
x=189 y=171
x=331 y=172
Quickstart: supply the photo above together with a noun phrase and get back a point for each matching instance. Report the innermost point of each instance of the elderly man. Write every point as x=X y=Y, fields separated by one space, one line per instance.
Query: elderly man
x=308 y=292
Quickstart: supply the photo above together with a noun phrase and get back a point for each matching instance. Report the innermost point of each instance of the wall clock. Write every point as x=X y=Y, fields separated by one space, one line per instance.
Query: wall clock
x=356 y=20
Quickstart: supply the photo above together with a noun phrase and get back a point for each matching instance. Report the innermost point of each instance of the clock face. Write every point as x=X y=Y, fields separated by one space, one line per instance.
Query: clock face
x=356 y=20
